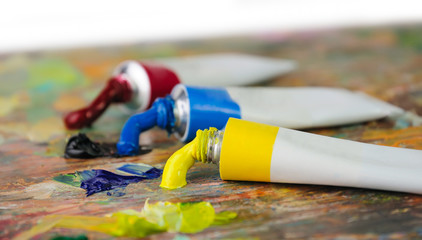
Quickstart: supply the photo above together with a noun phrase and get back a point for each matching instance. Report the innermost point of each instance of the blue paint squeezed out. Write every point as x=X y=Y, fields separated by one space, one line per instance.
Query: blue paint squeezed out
x=208 y=107
x=160 y=114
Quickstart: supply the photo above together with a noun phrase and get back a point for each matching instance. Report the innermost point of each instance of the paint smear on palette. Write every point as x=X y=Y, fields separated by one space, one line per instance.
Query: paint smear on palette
x=45 y=129
x=46 y=80
x=155 y=218
x=53 y=74
x=98 y=180
x=38 y=191
x=67 y=102
x=14 y=127
x=55 y=148
x=42 y=131
x=8 y=104
x=81 y=147
x=408 y=137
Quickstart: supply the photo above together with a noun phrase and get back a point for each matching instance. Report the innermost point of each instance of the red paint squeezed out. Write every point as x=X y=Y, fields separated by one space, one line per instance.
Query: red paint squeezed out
x=118 y=90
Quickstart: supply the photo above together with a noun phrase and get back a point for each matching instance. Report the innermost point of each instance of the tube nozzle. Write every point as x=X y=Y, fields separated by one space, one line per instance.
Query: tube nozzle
x=207 y=147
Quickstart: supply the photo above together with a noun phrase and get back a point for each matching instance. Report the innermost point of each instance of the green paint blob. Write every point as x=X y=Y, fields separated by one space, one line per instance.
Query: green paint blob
x=59 y=237
x=224 y=217
x=72 y=179
x=132 y=225
x=46 y=80
x=36 y=114
x=155 y=218
x=103 y=202
x=53 y=74
x=181 y=237
x=75 y=179
x=410 y=39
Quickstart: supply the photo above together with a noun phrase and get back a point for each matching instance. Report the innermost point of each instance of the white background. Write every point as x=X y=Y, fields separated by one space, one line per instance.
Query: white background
x=46 y=24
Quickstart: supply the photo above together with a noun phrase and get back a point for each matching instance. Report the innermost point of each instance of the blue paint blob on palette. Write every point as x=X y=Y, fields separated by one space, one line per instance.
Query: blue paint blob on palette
x=141 y=170
x=99 y=180
x=104 y=181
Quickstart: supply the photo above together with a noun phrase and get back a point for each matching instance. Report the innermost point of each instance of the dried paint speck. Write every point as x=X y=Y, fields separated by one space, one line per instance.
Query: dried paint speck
x=45 y=129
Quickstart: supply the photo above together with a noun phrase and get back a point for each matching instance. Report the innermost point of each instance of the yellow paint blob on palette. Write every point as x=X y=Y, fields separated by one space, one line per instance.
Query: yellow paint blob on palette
x=155 y=218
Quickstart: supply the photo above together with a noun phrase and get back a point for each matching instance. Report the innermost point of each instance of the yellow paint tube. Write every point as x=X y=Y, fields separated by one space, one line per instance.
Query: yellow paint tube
x=249 y=151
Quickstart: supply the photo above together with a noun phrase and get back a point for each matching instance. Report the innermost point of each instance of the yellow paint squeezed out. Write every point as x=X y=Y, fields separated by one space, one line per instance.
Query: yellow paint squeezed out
x=155 y=218
x=174 y=175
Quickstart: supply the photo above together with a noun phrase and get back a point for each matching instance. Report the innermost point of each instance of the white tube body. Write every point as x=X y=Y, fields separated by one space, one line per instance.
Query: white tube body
x=308 y=107
x=305 y=158
x=226 y=69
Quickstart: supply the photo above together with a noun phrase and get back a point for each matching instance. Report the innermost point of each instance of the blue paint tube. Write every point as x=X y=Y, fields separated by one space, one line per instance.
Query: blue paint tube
x=190 y=108
x=185 y=111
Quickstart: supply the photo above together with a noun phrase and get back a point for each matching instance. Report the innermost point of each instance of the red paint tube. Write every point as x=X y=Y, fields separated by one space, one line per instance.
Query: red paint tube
x=135 y=84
